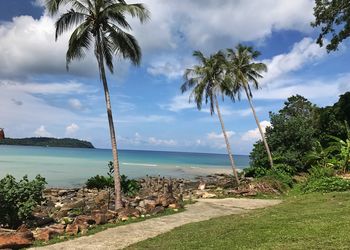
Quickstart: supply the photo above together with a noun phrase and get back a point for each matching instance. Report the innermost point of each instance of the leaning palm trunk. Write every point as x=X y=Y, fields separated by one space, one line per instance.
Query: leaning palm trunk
x=117 y=186
x=227 y=141
x=260 y=129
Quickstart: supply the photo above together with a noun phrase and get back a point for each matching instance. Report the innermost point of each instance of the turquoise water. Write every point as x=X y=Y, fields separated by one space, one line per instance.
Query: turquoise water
x=72 y=166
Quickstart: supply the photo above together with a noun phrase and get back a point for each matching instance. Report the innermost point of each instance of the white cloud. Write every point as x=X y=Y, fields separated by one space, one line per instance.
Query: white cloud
x=75 y=104
x=71 y=129
x=42 y=132
x=208 y=24
x=216 y=140
x=139 y=140
x=155 y=141
x=178 y=103
x=215 y=136
x=45 y=88
x=169 y=66
x=304 y=52
x=254 y=134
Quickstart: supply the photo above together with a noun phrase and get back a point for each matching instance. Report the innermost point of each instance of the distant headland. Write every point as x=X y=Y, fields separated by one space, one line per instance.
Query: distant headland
x=47 y=142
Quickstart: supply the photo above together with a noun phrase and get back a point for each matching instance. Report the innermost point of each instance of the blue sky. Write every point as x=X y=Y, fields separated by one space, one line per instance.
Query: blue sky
x=38 y=97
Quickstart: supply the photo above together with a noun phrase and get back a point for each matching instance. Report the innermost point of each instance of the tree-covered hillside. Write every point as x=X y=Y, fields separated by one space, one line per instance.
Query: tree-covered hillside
x=47 y=142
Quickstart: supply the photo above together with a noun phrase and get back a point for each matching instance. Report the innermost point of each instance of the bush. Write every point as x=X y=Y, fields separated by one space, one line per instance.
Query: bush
x=129 y=186
x=317 y=172
x=18 y=199
x=100 y=182
x=326 y=184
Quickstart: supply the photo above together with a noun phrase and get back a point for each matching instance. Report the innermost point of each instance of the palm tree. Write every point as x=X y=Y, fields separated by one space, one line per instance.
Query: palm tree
x=244 y=70
x=207 y=80
x=102 y=24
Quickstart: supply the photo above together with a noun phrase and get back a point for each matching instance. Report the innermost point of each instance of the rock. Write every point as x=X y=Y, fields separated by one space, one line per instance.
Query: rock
x=100 y=218
x=72 y=229
x=83 y=222
x=15 y=240
x=174 y=206
x=72 y=205
x=46 y=234
x=84 y=219
x=201 y=186
x=207 y=195
x=102 y=197
x=157 y=210
x=125 y=213
x=39 y=220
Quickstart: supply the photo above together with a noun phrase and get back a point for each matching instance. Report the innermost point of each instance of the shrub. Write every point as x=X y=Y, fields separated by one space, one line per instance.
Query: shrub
x=129 y=186
x=326 y=184
x=318 y=172
x=18 y=199
x=100 y=182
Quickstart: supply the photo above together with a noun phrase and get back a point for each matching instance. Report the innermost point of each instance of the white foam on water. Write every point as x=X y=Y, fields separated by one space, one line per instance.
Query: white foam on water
x=139 y=164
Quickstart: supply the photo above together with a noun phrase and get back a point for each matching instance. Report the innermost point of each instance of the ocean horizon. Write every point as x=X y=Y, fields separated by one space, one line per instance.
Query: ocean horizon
x=69 y=167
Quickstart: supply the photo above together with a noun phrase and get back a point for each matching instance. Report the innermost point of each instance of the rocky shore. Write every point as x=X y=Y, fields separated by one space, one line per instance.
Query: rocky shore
x=67 y=212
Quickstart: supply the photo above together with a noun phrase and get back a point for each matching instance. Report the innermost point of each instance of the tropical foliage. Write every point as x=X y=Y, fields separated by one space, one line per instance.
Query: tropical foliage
x=47 y=142
x=19 y=198
x=333 y=18
x=101 y=24
x=300 y=146
x=129 y=186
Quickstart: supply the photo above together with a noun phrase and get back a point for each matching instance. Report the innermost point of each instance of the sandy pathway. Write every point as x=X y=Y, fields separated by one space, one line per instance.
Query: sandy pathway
x=123 y=236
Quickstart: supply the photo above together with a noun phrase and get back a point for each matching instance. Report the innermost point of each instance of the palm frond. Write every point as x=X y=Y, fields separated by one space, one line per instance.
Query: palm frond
x=134 y=10
x=79 y=41
x=124 y=43
x=68 y=20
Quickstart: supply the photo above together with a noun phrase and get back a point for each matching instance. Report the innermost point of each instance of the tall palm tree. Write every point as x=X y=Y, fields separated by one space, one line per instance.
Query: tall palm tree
x=245 y=71
x=101 y=24
x=207 y=80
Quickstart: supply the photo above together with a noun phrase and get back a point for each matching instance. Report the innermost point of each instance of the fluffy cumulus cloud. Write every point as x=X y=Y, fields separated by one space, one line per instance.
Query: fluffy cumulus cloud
x=175 y=22
x=72 y=129
x=216 y=140
x=254 y=134
x=304 y=52
x=42 y=132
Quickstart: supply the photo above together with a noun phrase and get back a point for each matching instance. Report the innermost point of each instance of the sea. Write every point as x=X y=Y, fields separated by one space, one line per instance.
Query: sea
x=71 y=167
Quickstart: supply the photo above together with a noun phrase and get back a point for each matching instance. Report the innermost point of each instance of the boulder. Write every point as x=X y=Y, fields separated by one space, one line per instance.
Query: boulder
x=157 y=210
x=17 y=239
x=100 y=218
x=175 y=205
x=72 y=229
x=125 y=213
x=72 y=205
x=101 y=197
x=47 y=233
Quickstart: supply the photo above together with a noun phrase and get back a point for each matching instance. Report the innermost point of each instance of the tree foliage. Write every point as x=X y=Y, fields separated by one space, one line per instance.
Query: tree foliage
x=302 y=136
x=333 y=16
x=19 y=198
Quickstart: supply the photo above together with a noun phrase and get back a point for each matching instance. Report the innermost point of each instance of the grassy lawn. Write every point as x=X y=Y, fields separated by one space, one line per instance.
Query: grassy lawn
x=313 y=221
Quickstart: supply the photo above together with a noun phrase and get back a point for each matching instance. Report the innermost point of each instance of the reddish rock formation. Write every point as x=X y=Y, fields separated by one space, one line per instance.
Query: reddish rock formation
x=2 y=134
x=18 y=239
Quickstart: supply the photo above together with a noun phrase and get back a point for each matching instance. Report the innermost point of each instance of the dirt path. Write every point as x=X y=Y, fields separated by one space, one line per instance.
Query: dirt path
x=123 y=236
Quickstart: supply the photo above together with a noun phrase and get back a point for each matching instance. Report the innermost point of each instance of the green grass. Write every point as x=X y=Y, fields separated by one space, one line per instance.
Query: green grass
x=312 y=221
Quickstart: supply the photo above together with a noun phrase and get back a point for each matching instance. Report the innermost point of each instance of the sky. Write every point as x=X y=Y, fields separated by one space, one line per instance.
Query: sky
x=38 y=97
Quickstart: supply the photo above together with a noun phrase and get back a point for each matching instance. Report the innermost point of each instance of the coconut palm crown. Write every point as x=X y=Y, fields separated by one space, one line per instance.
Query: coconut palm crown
x=100 y=24
x=245 y=71
x=207 y=81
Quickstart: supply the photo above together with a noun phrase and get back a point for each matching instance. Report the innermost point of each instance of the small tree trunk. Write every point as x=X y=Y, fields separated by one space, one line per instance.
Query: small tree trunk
x=117 y=186
x=226 y=141
x=260 y=129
